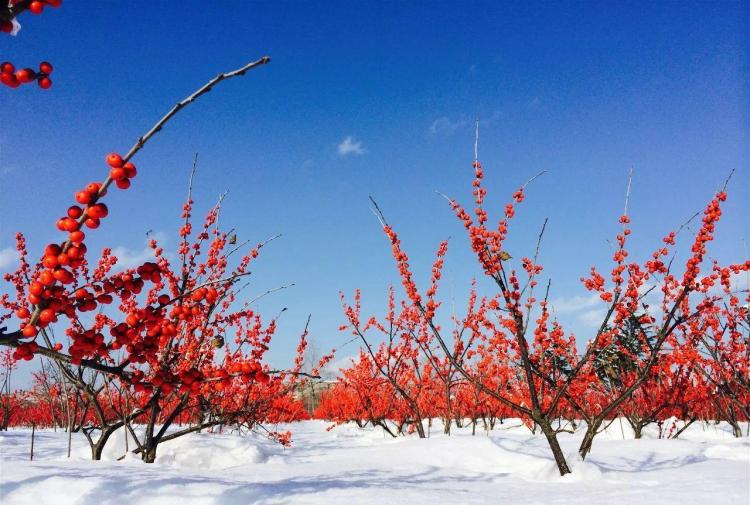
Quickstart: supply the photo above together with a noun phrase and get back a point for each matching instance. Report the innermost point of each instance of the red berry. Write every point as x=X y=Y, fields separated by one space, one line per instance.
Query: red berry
x=75 y=211
x=52 y=250
x=93 y=187
x=6 y=26
x=47 y=316
x=122 y=183
x=97 y=211
x=36 y=288
x=77 y=236
x=118 y=173
x=130 y=170
x=45 y=83
x=45 y=67
x=25 y=75
x=63 y=275
x=7 y=68
x=50 y=261
x=114 y=160
x=22 y=313
x=77 y=252
x=84 y=197
x=29 y=331
x=36 y=7
x=46 y=278
x=68 y=224
x=92 y=223
x=9 y=80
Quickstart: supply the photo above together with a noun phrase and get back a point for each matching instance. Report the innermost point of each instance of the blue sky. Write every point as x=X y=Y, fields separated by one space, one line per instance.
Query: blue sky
x=379 y=98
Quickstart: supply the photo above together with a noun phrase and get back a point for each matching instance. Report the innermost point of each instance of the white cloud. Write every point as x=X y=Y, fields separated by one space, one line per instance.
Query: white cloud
x=575 y=303
x=337 y=364
x=8 y=257
x=593 y=318
x=350 y=145
x=444 y=126
x=129 y=258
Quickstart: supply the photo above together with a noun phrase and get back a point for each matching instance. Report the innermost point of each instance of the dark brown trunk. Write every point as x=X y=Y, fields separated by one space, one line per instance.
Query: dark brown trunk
x=149 y=454
x=447 y=421
x=554 y=445
x=588 y=438
x=638 y=431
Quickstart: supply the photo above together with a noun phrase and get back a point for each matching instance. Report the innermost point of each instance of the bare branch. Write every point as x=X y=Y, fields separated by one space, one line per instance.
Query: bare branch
x=378 y=213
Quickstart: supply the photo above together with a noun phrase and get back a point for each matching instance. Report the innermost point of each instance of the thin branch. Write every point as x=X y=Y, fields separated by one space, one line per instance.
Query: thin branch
x=378 y=213
x=476 y=141
x=184 y=103
x=627 y=191
x=533 y=178
x=273 y=290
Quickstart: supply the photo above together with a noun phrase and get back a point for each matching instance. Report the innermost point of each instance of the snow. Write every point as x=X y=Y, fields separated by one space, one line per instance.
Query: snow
x=349 y=465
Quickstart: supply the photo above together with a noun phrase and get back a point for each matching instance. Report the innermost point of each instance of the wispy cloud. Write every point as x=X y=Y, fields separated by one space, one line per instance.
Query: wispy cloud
x=8 y=257
x=129 y=258
x=575 y=303
x=350 y=145
x=445 y=126
x=592 y=318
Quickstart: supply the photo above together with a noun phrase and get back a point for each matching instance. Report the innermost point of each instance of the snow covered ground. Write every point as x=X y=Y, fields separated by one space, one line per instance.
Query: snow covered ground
x=349 y=465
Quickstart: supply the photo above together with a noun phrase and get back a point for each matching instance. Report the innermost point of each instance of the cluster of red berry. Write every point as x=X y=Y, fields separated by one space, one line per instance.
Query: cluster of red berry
x=14 y=78
x=16 y=7
x=60 y=262
x=37 y=6
x=8 y=73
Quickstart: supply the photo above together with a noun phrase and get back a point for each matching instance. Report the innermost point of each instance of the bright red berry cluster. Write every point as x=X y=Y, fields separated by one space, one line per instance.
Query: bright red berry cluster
x=60 y=261
x=14 y=78
x=8 y=73
x=16 y=7
x=37 y=6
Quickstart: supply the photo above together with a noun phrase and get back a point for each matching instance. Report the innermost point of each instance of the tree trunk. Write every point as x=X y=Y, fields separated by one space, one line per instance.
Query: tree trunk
x=98 y=447
x=588 y=438
x=736 y=429
x=554 y=445
x=420 y=428
x=638 y=430
x=149 y=454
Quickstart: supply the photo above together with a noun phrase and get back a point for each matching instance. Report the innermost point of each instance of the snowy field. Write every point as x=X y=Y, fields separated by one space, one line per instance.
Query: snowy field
x=349 y=465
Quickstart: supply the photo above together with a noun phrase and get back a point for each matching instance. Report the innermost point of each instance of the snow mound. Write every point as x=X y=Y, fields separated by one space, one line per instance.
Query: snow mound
x=738 y=452
x=208 y=451
x=195 y=451
x=55 y=489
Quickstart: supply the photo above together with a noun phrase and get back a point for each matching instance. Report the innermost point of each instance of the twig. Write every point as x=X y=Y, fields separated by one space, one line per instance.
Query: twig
x=378 y=213
x=533 y=178
x=273 y=290
x=627 y=191
x=726 y=181
x=184 y=103
x=476 y=141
